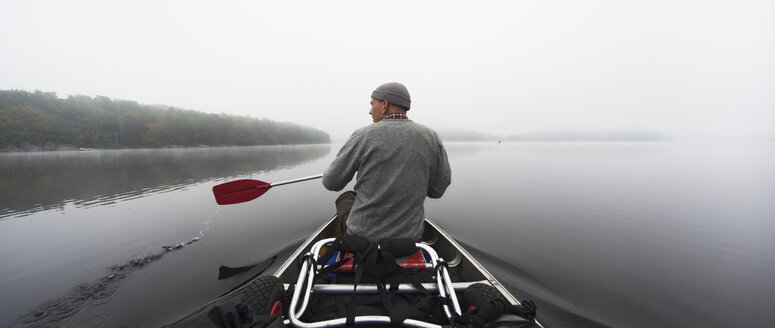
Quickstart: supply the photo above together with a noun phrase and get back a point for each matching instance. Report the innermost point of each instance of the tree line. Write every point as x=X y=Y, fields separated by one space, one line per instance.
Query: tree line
x=41 y=120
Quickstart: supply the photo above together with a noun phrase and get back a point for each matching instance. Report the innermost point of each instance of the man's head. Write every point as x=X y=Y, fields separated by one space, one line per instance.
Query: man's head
x=391 y=97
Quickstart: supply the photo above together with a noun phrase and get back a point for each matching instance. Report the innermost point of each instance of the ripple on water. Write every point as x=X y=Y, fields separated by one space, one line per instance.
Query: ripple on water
x=54 y=312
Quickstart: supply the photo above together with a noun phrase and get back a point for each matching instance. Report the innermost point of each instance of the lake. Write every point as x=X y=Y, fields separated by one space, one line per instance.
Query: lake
x=619 y=234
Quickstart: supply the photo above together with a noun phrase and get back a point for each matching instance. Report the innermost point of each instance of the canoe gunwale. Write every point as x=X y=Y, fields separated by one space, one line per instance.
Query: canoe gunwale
x=494 y=282
x=304 y=246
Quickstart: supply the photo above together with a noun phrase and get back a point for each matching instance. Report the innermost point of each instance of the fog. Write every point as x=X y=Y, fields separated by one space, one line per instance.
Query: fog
x=687 y=69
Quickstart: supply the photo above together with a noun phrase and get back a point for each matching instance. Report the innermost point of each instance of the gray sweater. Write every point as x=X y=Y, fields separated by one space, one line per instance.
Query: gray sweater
x=399 y=162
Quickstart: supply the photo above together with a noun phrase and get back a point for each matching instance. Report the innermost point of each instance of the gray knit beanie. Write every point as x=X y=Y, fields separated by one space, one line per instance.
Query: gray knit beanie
x=394 y=92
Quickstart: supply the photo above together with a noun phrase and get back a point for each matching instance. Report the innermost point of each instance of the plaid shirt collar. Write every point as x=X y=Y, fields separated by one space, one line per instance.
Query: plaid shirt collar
x=396 y=116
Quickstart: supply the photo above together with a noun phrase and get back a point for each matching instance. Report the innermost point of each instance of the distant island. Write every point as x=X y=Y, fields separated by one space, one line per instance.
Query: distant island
x=579 y=135
x=464 y=135
x=31 y=121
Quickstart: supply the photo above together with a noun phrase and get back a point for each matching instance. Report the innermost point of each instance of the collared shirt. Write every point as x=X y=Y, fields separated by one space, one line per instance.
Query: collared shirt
x=396 y=116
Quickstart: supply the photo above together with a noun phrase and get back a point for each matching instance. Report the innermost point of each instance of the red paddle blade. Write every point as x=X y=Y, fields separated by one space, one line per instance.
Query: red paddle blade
x=239 y=191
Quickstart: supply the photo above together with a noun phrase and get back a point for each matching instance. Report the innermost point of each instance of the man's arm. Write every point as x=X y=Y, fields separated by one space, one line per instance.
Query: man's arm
x=443 y=176
x=344 y=166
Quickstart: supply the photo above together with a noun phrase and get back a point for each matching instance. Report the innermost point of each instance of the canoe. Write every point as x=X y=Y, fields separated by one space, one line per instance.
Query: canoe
x=453 y=276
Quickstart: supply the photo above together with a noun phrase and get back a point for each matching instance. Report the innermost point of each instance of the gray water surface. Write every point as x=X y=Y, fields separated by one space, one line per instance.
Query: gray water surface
x=598 y=234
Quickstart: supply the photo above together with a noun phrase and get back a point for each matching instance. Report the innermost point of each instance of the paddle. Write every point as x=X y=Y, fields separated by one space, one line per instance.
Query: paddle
x=240 y=191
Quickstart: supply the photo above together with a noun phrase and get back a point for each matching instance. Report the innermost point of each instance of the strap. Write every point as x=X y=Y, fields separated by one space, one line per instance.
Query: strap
x=382 y=266
x=396 y=319
x=356 y=245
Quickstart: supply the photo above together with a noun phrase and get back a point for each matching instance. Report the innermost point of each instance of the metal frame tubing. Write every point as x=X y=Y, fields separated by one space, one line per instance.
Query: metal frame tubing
x=306 y=281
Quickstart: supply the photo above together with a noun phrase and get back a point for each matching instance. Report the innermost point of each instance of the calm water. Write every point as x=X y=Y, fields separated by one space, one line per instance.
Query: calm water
x=599 y=234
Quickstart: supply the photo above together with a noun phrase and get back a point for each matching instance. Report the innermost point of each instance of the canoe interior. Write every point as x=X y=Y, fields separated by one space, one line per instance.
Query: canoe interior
x=463 y=266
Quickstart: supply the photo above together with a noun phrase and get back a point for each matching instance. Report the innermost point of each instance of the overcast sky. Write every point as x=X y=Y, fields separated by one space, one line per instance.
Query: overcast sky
x=686 y=68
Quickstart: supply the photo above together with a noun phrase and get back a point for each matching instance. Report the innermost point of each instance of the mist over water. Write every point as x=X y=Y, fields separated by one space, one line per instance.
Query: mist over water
x=76 y=226
x=100 y=177
x=626 y=234
x=621 y=234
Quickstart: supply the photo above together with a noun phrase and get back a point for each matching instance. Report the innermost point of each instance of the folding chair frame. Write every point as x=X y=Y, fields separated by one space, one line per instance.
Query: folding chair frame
x=306 y=281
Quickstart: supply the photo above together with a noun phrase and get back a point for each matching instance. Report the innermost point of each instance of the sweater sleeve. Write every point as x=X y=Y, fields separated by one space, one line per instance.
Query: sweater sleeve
x=443 y=175
x=344 y=166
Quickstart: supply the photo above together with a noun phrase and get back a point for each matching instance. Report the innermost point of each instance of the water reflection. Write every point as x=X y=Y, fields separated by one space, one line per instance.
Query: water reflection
x=42 y=181
x=662 y=233
x=94 y=293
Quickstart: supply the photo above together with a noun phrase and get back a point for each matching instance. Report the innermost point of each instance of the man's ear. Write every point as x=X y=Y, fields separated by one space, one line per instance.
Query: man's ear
x=385 y=106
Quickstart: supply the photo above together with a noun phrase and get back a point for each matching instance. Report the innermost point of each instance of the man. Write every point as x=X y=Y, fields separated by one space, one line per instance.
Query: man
x=399 y=163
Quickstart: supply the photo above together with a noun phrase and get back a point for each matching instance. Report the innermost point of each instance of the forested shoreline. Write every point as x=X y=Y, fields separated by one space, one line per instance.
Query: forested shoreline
x=38 y=120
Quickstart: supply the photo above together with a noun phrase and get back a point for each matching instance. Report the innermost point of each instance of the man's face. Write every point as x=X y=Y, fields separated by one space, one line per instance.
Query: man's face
x=378 y=109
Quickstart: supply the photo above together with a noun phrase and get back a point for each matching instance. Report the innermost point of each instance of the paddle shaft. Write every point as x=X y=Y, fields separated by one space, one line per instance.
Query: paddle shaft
x=312 y=177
